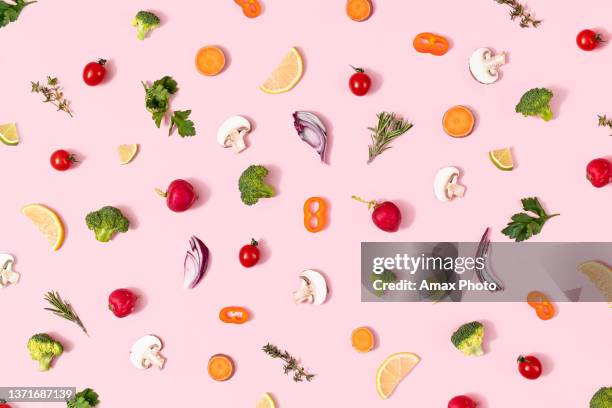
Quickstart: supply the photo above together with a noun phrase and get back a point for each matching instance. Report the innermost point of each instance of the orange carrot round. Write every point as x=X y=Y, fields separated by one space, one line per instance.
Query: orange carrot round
x=220 y=367
x=458 y=121
x=362 y=339
x=359 y=10
x=210 y=60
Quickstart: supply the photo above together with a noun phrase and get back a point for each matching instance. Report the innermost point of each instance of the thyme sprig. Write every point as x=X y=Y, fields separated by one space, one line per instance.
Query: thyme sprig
x=389 y=128
x=604 y=121
x=291 y=363
x=63 y=309
x=52 y=94
x=519 y=11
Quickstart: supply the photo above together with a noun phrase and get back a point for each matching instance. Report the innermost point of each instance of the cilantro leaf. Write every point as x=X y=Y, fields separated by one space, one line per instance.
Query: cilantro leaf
x=9 y=12
x=523 y=226
x=183 y=124
x=85 y=399
x=168 y=83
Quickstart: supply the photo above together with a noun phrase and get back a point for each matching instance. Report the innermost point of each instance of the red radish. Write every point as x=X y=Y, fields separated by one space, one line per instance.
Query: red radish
x=122 y=302
x=386 y=215
x=180 y=195
x=599 y=172
x=461 y=401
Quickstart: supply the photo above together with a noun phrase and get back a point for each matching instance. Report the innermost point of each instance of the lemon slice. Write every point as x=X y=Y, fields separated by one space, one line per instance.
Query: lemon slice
x=266 y=402
x=286 y=75
x=502 y=159
x=392 y=371
x=601 y=276
x=8 y=134
x=127 y=152
x=47 y=222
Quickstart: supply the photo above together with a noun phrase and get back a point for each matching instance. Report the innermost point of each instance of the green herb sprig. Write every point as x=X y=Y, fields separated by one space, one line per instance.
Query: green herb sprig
x=291 y=363
x=519 y=11
x=157 y=102
x=604 y=121
x=389 y=128
x=63 y=309
x=53 y=94
x=85 y=399
x=9 y=12
x=523 y=226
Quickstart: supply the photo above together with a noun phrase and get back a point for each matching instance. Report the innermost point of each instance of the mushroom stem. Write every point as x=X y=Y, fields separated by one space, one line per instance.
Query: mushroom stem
x=453 y=189
x=236 y=139
x=152 y=356
x=304 y=294
x=492 y=63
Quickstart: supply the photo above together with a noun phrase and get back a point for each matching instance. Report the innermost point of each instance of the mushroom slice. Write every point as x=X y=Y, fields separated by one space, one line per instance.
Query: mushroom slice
x=232 y=132
x=313 y=288
x=145 y=353
x=484 y=66
x=446 y=185
x=7 y=274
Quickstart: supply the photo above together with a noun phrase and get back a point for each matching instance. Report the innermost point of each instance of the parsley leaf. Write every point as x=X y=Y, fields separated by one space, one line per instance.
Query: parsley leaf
x=183 y=124
x=523 y=226
x=157 y=101
x=85 y=399
x=9 y=12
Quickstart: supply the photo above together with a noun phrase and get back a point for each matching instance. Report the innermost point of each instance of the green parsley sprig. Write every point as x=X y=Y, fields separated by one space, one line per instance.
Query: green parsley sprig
x=523 y=226
x=157 y=101
x=9 y=12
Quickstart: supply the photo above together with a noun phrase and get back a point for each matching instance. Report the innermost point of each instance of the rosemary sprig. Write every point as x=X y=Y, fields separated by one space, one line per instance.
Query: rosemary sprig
x=519 y=11
x=291 y=363
x=389 y=128
x=604 y=121
x=52 y=94
x=63 y=309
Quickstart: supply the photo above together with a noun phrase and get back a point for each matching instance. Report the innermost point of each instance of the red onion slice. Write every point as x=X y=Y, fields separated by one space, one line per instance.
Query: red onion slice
x=196 y=261
x=311 y=130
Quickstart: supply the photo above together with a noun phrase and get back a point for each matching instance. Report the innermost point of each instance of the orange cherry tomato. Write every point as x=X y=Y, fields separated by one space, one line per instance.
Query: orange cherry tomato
x=542 y=306
x=315 y=219
x=430 y=44
x=250 y=8
x=234 y=314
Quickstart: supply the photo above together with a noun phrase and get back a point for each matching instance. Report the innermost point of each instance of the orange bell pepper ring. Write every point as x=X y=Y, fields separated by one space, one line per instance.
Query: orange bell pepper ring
x=429 y=43
x=250 y=8
x=542 y=306
x=234 y=314
x=315 y=219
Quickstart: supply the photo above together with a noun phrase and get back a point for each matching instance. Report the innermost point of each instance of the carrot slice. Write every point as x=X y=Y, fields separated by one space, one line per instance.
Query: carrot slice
x=210 y=60
x=458 y=121
x=362 y=339
x=359 y=10
x=220 y=367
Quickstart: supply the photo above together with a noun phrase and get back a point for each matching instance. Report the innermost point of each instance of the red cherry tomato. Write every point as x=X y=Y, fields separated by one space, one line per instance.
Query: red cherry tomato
x=3 y=404
x=249 y=254
x=122 y=302
x=461 y=401
x=94 y=72
x=529 y=367
x=360 y=82
x=588 y=40
x=62 y=160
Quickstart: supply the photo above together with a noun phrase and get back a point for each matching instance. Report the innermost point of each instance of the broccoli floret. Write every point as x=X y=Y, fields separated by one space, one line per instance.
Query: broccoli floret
x=43 y=348
x=106 y=221
x=468 y=339
x=385 y=277
x=536 y=102
x=144 y=22
x=602 y=398
x=252 y=186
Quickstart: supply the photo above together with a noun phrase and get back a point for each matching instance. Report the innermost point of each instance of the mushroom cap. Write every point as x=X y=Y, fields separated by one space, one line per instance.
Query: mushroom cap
x=318 y=285
x=143 y=344
x=479 y=69
x=443 y=177
x=6 y=257
x=230 y=124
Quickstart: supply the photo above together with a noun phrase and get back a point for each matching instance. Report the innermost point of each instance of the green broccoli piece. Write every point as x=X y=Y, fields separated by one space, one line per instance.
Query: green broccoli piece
x=468 y=339
x=602 y=398
x=144 y=22
x=385 y=277
x=252 y=186
x=106 y=221
x=84 y=399
x=43 y=348
x=536 y=102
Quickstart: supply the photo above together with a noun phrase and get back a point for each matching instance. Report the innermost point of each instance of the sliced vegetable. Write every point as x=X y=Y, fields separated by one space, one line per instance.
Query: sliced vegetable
x=234 y=314
x=458 y=121
x=393 y=370
x=538 y=300
x=286 y=75
x=446 y=186
x=483 y=272
x=250 y=8
x=145 y=353
x=210 y=60
x=196 y=261
x=359 y=10
x=315 y=219
x=362 y=339
x=9 y=135
x=313 y=288
x=484 y=65
x=311 y=130
x=429 y=43
x=220 y=367
x=232 y=132
x=7 y=275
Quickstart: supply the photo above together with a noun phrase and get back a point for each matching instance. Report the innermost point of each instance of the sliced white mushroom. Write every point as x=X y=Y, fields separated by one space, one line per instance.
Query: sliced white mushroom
x=313 y=288
x=232 y=132
x=145 y=353
x=484 y=65
x=446 y=185
x=7 y=274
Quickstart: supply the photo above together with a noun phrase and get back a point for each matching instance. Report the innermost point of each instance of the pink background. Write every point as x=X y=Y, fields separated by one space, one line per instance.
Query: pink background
x=61 y=36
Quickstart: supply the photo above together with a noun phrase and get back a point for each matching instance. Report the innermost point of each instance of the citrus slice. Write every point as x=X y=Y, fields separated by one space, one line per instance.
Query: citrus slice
x=127 y=152
x=502 y=159
x=47 y=222
x=362 y=339
x=8 y=134
x=266 y=402
x=210 y=60
x=286 y=75
x=392 y=371
x=601 y=276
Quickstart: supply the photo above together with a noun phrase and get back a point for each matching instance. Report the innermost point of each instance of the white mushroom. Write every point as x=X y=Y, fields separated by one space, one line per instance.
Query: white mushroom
x=232 y=132
x=7 y=274
x=446 y=187
x=484 y=66
x=313 y=288
x=145 y=353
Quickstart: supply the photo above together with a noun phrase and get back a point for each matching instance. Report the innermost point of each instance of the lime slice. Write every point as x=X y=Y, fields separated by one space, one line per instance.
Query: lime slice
x=502 y=159
x=127 y=153
x=8 y=134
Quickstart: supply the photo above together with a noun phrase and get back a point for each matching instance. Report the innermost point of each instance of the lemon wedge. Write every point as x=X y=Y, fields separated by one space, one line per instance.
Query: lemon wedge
x=392 y=371
x=47 y=222
x=286 y=75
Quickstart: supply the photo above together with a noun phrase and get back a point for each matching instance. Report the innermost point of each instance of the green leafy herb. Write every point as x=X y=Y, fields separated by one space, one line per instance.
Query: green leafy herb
x=9 y=12
x=604 y=121
x=385 y=277
x=389 y=128
x=85 y=399
x=63 y=309
x=523 y=225
x=519 y=11
x=183 y=124
x=157 y=101
x=291 y=363
x=52 y=93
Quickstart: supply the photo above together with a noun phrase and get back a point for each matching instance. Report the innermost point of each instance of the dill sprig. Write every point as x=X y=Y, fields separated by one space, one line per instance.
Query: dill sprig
x=291 y=363
x=63 y=309
x=53 y=94
x=604 y=121
x=519 y=11
x=389 y=128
